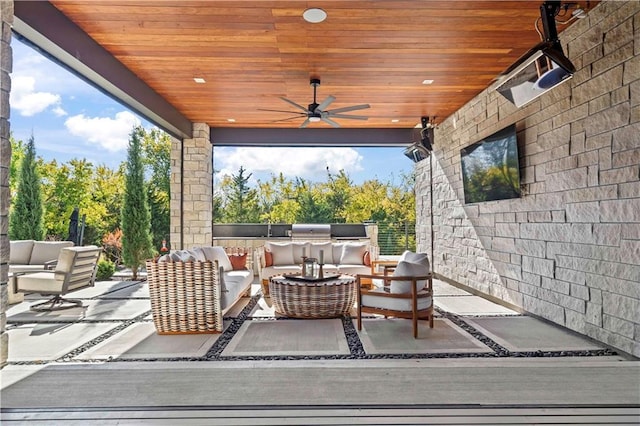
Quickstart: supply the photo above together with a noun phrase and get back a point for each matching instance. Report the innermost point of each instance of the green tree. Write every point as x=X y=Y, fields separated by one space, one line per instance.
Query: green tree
x=156 y=147
x=18 y=150
x=78 y=184
x=25 y=220
x=338 y=191
x=241 y=200
x=278 y=200
x=109 y=192
x=313 y=207
x=136 y=218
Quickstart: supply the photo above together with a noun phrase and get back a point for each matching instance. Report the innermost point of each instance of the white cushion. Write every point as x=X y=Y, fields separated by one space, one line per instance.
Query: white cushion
x=336 y=250
x=40 y=282
x=421 y=258
x=327 y=251
x=198 y=254
x=394 y=303
x=46 y=251
x=408 y=269
x=282 y=253
x=234 y=283
x=20 y=251
x=186 y=256
x=354 y=269
x=353 y=254
x=270 y=271
x=297 y=251
x=214 y=253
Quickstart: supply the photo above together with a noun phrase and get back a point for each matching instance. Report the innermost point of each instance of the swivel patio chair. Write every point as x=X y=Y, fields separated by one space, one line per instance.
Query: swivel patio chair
x=76 y=268
x=407 y=293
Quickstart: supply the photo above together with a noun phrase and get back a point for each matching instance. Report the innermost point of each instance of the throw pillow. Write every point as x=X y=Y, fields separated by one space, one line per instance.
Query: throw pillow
x=186 y=256
x=20 y=252
x=408 y=269
x=214 y=253
x=238 y=261
x=366 y=260
x=198 y=254
x=268 y=258
x=327 y=252
x=298 y=250
x=421 y=258
x=352 y=254
x=282 y=253
x=336 y=252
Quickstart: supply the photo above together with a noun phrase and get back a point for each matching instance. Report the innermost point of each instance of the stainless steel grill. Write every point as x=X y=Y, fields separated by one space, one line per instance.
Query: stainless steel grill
x=311 y=231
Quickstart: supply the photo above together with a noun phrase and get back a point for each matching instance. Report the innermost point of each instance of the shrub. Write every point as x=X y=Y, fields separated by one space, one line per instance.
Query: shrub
x=106 y=269
x=112 y=243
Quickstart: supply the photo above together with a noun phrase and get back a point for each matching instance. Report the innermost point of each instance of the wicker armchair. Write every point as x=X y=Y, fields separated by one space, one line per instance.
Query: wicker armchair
x=185 y=296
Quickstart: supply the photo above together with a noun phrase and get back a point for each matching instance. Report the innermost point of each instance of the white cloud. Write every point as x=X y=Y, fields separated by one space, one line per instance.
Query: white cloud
x=59 y=112
x=111 y=134
x=47 y=74
x=28 y=101
x=309 y=163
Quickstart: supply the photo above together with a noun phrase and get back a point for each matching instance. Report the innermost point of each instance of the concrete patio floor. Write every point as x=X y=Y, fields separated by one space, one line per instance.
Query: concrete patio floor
x=113 y=367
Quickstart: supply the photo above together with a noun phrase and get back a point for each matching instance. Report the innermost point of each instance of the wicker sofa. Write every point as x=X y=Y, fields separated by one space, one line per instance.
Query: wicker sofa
x=191 y=290
x=277 y=258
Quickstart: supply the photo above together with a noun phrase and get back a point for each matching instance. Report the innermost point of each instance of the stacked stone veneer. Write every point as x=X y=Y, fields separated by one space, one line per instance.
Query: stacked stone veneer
x=569 y=249
x=191 y=190
x=6 y=18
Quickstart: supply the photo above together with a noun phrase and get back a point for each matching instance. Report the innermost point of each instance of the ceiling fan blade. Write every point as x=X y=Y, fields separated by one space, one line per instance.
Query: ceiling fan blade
x=330 y=121
x=353 y=117
x=305 y=124
x=325 y=103
x=295 y=104
x=286 y=119
x=349 y=108
x=280 y=110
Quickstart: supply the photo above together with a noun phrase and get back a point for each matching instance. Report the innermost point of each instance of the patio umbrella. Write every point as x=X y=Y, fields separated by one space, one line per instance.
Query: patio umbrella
x=73 y=226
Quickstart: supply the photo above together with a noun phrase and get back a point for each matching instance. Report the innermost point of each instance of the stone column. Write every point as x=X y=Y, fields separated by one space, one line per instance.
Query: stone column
x=192 y=190
x=6 y=61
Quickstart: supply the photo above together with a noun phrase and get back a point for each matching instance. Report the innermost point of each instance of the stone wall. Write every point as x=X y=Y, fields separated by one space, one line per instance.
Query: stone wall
x=6 y=18
x=191 y=190
x=569 y=249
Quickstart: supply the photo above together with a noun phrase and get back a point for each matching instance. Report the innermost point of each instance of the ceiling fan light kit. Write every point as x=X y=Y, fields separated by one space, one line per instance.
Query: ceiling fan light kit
x=316 y=112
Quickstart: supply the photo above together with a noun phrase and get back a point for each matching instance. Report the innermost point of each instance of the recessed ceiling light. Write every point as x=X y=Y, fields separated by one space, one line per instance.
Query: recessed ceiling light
x=231 y=120
x=199 y=80
x=314 y=15
x=395 y=120
x=427 y=81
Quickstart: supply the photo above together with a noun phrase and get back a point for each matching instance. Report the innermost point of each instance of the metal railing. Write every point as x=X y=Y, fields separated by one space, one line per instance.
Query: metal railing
x=396 y=237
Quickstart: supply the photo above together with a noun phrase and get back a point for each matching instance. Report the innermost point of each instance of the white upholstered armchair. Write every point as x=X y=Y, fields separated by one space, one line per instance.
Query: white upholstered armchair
x=406 y=293
x=75 y=268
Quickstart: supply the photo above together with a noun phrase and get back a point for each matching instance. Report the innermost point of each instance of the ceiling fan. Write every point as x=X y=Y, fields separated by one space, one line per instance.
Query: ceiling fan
x=317 y=111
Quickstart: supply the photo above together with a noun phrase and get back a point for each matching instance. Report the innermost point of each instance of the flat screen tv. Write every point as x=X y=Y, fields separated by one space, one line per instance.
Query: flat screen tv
x=490 y=168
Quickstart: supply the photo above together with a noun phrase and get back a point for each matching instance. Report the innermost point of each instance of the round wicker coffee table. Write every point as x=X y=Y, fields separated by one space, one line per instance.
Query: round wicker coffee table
x=313 y=299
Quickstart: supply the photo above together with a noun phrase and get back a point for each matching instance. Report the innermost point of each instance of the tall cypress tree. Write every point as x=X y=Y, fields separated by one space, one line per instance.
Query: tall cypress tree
x=136 y=218
x=25 y=220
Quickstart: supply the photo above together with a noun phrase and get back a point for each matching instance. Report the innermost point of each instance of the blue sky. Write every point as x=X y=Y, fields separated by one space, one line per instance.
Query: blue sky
x=70 y=119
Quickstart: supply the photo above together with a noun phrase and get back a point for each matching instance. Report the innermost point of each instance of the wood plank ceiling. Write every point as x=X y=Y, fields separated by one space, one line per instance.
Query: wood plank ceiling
x=250 y=53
